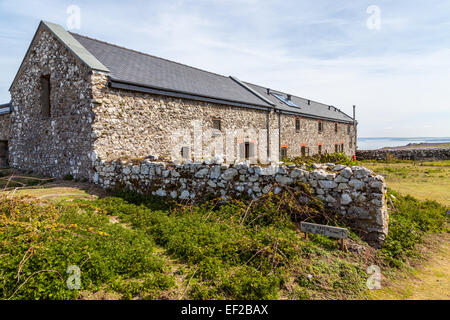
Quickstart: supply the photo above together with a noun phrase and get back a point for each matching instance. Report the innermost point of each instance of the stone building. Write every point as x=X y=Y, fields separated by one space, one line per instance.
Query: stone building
x=76 y=100
x=5 y=110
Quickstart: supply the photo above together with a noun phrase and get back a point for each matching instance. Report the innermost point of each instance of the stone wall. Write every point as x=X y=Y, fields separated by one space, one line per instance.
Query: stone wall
x=134 y=125
x=308 y=136
x=407 y=154
x=90 y=120
x=356 y=193
x=5 y=125
x=61 y=144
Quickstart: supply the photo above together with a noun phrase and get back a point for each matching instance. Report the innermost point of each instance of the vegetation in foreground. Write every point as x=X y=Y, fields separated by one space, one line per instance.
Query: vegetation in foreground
x=134 y=247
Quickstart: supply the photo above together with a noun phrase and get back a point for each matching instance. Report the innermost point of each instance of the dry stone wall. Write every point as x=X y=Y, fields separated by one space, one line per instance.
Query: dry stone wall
x=356 y=193
x=408 y=154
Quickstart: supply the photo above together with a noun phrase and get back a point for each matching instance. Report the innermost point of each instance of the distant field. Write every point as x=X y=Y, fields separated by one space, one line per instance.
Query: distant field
x=425 y=181
x=422 y=146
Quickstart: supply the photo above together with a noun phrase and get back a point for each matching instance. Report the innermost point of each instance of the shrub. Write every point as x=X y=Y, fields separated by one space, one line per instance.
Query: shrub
x=409 y=221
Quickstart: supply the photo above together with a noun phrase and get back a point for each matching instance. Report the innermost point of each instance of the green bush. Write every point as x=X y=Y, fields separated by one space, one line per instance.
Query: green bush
x=39 y=243
x=409 y=220
x=336 y=158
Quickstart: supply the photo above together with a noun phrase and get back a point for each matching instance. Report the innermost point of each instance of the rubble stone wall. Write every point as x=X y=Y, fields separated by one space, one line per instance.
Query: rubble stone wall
x=5 y=125
x=356 y=193
x=408 y=154
x=58 y=145
x=309 y=137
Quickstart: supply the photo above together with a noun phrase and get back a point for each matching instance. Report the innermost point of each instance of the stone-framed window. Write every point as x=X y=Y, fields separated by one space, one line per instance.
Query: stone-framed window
x=336 y=127
x=217 y=124
x=319 y=149
x=185 y=153
x=297 y=124
x=336 y=148
x=342 y=147
x=348 y=129
x=320 y=126
x=303 y=151
x=45 y=96
x=4 y=153
x=283 y=152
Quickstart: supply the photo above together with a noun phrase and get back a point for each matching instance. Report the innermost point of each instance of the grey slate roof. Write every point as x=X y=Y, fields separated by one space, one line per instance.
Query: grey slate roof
x=315 y=109
x=132 y=70
x=5 y=108
x=142 y=69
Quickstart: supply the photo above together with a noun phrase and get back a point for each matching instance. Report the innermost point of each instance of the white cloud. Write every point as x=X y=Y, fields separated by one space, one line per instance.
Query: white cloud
x=397 y=77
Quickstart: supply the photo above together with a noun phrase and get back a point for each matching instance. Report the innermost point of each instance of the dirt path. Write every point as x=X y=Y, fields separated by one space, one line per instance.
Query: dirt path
x=429 y=281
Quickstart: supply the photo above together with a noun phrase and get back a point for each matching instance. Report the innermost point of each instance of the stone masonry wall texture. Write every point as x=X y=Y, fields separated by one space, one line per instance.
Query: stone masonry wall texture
x=309 y=136
x=357 y=193
x=5 y=121
x=409 y=154
x=61 y=144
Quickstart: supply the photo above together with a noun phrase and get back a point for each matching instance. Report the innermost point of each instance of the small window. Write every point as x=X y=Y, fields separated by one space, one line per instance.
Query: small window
x=336 y=148
x=247 y=150
x=348 y=129
x=320 y=127
x=185 y=154
x=45 y=97
x=297 y=124
x=303 y=151
x=342 y=147
x=283 y=153
x=320 y=149
x=3 y=154
x=217 y=124
x=336 y=128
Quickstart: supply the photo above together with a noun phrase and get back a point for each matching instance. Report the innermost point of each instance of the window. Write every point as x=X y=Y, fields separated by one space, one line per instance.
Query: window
x=283 y=152
x=348 y=129
x=285 y=100
x=320 y=127
x=246 y=150
x=297 y=124
x=45 y=97
x=342 y=147
x=3 y=154
x=303 y=150
x=217 y=124
x=185 y=154
x=336 y=148
x=350 y=143
x=335 y=127
x=320 y=149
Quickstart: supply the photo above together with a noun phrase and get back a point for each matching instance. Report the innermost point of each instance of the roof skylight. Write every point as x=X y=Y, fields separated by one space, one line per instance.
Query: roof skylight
x=285 y=100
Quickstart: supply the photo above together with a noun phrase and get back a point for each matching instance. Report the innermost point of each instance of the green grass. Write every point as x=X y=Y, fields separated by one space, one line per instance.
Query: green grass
x=423 y=180
x=160 y=249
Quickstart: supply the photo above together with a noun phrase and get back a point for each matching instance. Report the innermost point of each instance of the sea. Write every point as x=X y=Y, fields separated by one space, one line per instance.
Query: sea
x=377 y=143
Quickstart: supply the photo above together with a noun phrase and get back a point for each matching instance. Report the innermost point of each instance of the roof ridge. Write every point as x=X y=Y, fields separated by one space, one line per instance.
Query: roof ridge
x=147 y=54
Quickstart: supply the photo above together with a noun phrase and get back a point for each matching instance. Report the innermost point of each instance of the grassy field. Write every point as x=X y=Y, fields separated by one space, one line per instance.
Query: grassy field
x=131 y=247
x=423 y=180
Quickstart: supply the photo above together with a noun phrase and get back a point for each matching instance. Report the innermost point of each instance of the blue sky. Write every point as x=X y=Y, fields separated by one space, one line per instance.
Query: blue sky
x=397 y=75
